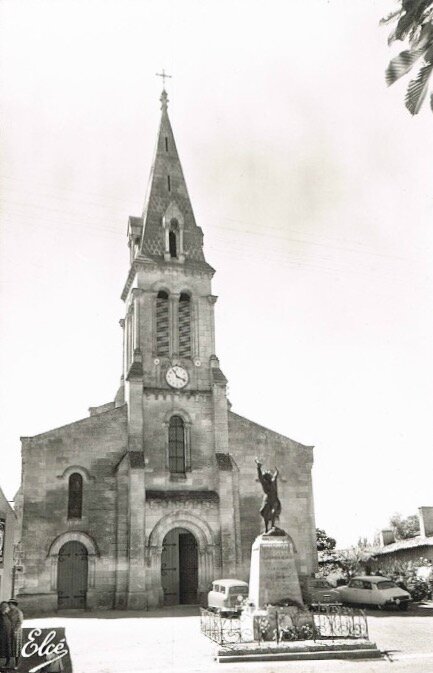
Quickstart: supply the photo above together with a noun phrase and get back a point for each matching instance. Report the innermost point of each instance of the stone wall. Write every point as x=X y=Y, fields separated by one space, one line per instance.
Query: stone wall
x=197 y=412
x=93 y=447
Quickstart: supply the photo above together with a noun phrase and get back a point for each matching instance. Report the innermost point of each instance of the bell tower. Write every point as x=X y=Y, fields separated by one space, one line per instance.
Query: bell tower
x=169 y=333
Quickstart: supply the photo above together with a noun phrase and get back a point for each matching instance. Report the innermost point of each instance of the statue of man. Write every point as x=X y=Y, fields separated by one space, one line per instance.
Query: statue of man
x=271 y=505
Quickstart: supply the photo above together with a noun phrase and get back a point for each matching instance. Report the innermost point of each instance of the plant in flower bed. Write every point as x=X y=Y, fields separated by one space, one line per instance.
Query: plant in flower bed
x=304 y=632
x=264 y=628
x=406 y=575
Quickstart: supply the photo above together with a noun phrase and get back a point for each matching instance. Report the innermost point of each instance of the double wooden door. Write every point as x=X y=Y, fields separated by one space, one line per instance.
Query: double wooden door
x=72 y=576
x=179 y=568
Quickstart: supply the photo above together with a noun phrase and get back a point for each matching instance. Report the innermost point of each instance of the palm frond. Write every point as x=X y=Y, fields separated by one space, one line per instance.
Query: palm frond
x=417 y=89
x=401 y=64
x=412 y=16
x=422 y=37
x=391 y=17
x=404 y=26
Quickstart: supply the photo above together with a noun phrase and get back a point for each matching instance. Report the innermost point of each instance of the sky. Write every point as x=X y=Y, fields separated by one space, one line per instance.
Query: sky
x=311 y=182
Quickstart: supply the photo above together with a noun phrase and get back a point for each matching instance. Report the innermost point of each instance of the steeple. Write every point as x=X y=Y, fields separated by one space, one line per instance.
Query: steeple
x=170 y=233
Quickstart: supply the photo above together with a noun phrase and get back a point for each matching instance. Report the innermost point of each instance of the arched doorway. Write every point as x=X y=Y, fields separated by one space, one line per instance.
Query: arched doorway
x=72 y=575
x=179 y=567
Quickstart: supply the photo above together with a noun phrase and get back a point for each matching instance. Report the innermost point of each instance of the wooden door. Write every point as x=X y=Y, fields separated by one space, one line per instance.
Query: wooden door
x=188 y=569
x=170 y=568
x=72 y=576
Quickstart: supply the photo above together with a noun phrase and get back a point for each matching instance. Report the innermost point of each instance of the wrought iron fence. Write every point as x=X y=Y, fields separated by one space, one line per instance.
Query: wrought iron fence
x=222 y=630
x=324 y=622
x=339 y=621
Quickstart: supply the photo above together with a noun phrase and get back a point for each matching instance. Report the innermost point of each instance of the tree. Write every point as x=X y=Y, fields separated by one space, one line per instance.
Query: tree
x=404 y=528
x=414 y=23
x=324 y=542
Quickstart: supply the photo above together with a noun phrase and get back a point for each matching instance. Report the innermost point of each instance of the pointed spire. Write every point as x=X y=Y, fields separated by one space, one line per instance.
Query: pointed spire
x=167 y=212
x=164 y=100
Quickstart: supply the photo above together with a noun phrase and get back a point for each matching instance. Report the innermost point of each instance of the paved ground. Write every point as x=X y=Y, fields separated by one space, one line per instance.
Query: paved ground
x=169 y=641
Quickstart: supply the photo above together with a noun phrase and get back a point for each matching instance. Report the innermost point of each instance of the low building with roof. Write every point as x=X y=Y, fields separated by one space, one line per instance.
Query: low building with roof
x=391 y=550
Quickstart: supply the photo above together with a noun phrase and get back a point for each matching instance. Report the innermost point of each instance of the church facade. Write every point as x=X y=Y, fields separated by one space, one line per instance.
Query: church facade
x=155 y=494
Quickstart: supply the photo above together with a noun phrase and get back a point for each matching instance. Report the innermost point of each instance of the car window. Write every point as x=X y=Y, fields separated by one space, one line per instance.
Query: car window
x=355 y=584
x=216 y=587
x=366 y=585
x=386 y=584
x=238 y=590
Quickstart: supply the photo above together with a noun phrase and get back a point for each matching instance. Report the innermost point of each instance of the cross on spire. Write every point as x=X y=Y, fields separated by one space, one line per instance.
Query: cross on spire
x=164 y=76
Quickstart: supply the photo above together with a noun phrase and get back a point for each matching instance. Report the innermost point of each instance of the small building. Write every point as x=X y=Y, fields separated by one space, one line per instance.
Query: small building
x=7 y=540
x=392 y=551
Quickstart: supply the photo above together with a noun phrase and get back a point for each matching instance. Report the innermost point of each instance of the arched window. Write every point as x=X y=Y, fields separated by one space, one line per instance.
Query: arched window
x=75 y=496
x=176 y=445
x=184 y=326
x=172 y=244
x=162 y=338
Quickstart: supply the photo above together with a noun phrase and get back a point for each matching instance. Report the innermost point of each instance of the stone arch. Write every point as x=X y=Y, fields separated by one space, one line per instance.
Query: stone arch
x=173 y=213
x=72 y=536
x=160 y=286
x=182 y=519
x=206 y=551
x=177 y=412
x=77 y=468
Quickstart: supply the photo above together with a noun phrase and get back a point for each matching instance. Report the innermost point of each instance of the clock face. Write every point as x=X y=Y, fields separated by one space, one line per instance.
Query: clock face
x=177 y=377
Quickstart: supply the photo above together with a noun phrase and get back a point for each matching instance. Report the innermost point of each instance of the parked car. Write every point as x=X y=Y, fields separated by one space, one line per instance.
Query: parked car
x=227 y=596
x=322 y=591
x=374 y=590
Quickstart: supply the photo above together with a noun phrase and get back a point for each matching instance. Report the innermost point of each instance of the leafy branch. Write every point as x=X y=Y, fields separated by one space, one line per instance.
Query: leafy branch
x=413 y=22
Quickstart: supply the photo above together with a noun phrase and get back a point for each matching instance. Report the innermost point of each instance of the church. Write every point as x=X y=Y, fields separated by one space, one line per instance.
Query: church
x=155 y=494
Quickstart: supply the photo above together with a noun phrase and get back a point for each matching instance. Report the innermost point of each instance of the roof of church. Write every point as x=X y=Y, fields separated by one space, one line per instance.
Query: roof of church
x=167 y=195
x=261 y=428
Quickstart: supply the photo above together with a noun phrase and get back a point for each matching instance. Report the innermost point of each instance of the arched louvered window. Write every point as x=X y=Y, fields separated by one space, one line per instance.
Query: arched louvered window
x=176 y=445
x=75 y=496
x=184 y=326
x=162 y=337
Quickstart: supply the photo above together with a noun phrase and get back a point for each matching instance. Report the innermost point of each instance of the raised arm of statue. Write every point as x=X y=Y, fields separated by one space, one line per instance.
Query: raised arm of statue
x=259 y=470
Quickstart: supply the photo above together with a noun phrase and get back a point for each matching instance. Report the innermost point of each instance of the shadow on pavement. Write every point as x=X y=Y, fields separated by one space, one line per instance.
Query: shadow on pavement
x=416 y=610
x=168 y=612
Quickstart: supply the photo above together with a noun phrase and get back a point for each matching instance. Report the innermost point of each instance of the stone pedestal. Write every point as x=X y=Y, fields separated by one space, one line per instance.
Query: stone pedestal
x=273 y=573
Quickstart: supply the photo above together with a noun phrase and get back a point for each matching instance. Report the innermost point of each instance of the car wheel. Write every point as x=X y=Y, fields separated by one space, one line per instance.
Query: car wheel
x=380 y=606
x=403 y=606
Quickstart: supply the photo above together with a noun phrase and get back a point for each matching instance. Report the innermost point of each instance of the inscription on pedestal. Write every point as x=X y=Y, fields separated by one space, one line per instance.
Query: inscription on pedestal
x=273 y=573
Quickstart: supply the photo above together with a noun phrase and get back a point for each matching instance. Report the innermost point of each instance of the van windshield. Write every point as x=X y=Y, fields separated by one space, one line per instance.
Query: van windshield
x=239 y=590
